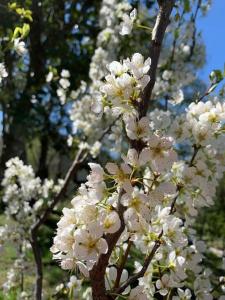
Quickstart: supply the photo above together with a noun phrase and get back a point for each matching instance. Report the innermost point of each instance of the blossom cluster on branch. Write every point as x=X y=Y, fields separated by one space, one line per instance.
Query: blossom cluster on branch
x=151 y=197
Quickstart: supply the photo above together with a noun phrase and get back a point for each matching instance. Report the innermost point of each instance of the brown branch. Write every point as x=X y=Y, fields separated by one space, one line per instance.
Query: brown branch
x=122 y=265
x=162 y=21
x=97 y=274
x=80 y=157
x=171 y=60
x=196 y=149
x=144 y=268
x=34 y=229
x=107 y=130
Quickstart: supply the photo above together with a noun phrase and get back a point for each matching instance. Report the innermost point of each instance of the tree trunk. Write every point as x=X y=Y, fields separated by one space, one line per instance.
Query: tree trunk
x=42 y=165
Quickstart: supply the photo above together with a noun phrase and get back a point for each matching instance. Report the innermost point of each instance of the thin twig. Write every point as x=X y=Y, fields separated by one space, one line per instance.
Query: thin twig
x=122 y=265
x=80 y=157
x=144 y=268
x=194 y=17
x=107 y=130
x=162 y=21
x=97 y=274
x=196 y=149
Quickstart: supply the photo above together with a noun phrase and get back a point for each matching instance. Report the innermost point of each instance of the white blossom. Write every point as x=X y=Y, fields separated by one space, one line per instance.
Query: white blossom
x=19 y=47
x=128 y=21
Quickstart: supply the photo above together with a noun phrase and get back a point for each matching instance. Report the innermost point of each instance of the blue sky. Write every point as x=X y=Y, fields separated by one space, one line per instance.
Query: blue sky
x=213 y=32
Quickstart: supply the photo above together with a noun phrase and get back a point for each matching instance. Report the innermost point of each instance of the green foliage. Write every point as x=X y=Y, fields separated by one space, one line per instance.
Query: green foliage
x=22 y=12
x=21 y=32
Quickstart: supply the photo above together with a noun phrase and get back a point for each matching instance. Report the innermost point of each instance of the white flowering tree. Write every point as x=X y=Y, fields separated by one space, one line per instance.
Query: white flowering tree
x=129 y=232
x=141 y=210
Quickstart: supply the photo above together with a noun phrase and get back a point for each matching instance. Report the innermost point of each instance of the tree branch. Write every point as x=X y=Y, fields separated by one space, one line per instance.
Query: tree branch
x=80 y=157
x=194 y=17
x=196 y=149
x=144 y=268
x=97 y=274
x=122 y=265
x=162 y=21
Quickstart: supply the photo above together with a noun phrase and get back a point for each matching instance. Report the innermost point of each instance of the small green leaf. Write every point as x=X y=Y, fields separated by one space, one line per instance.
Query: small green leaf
x=17 y=32
x=25 y=30
x=12 y=5
x=216 y=76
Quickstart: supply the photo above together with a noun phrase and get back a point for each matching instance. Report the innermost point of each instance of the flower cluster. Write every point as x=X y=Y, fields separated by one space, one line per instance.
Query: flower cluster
x=138 y=197
x=25 y=194
x=125 y=82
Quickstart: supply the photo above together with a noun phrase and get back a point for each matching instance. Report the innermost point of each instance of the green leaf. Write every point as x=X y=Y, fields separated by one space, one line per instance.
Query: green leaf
x=216 y=76
x=17 y=32
x=12 y=5
x=25 y=30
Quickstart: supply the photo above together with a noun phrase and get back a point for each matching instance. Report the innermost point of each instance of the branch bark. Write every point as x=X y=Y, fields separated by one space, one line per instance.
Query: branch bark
x=144 y=268
x=97 y=274
x=80 y=157
x=122 y=265
x=194 y=17
x=162 y=21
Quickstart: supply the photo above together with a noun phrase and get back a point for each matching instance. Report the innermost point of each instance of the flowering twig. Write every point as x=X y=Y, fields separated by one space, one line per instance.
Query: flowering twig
x=144 y=268
x=98 y=271
x=157 y=244
x=122 y=265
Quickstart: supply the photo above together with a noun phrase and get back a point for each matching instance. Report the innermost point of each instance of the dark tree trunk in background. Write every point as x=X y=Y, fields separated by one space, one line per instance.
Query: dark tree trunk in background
x=42 y=165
